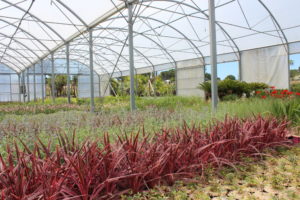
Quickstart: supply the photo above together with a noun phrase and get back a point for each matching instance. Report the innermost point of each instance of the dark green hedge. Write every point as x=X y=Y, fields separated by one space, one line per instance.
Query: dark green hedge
x=229 y=87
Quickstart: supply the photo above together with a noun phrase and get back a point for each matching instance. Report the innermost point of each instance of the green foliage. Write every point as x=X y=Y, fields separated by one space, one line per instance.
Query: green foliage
x=207 y=77
x=61 y=85
x=230 y=77
x=146 y=86
x=206 y=87
x=295 y=87
x=257 y=86
x=294 y=72
x=228 y=87
x=168 y=75
x=289 y=109
x=163 y=88
x=230 y=97
x=116 y=87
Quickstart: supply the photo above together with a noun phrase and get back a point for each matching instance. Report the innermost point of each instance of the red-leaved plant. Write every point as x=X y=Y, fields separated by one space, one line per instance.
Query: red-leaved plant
x=92 y=171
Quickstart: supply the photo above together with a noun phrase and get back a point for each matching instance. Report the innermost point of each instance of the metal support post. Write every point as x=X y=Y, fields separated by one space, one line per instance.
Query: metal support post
x=34 y=83
x=10 y=88
x=52 y=78
x=19 y=86
x=213 y=55
x=240 y=67
x=23 y=86
x=99 y=85
x=68 y=73
x=28 y=85
x=91 y=69
x=42 y=81
x=131 y=58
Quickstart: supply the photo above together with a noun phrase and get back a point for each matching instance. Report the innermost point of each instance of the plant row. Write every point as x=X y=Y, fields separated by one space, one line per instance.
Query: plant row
x=232 y=89
x=36 y=109
x=106 y=170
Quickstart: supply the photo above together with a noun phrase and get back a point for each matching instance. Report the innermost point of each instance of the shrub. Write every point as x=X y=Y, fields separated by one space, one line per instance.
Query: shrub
x=230 y=77
x=257 y=86
x=91 y=171
x=295 y=87
x=206 y=87
x=230 y=97
x=228 y=87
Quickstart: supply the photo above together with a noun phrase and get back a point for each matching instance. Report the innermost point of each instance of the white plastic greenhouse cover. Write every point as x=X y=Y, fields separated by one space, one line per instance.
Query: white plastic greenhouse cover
x=165 y=31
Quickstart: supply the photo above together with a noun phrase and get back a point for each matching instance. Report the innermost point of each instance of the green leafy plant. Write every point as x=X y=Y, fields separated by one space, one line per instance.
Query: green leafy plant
x=229 y=87
x=289 y=109
x=295 y=87
x=230 y=97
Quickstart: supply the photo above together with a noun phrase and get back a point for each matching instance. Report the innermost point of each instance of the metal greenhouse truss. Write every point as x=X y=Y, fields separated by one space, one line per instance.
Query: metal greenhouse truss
x=101 y=40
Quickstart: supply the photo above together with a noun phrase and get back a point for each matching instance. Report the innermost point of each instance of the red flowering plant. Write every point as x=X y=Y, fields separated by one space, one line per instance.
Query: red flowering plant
x=272 y=92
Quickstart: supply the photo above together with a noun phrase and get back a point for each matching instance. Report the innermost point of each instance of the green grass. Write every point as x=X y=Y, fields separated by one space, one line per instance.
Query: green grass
x=113 y=116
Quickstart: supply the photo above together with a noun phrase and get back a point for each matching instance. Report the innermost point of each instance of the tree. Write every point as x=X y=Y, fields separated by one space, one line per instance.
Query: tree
x=74 y=84
x=168 y=75
x=60 y=84
x=116 y=89
x=230 y=77
x=294 y=72
x=207 y=77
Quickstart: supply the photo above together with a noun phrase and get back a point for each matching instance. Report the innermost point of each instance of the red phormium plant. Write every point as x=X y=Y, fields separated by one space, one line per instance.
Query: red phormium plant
x=135 y=163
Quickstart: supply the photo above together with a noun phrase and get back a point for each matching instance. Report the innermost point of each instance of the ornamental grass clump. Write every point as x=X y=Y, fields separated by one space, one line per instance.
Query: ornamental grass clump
x=133 y=163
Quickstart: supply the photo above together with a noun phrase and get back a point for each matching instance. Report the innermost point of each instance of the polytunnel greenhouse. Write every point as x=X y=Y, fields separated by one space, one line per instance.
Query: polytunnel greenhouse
x=149 y=99
x=45 y=38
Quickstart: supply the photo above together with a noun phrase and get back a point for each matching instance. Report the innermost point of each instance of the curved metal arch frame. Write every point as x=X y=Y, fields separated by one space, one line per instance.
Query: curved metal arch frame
x=5 y=65
x=96 y=62
x=38 y=19
x=227 y=34
x=105 y=48
x=148 y=38
x=270 y=13
x=162 y=48
x=27 y=33
x=75 y=50
x=206 y=15
x=285 y=38
x=73 y=13
x=20 y=43
x=10 y=63
x=168 y=25
x=63 y=57
x=135 y=49
x=23 y=56
x=78 y=61
x=12 y=57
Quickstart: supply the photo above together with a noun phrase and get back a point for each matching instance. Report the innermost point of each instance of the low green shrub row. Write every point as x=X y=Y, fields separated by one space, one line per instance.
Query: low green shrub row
x=232 y=89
